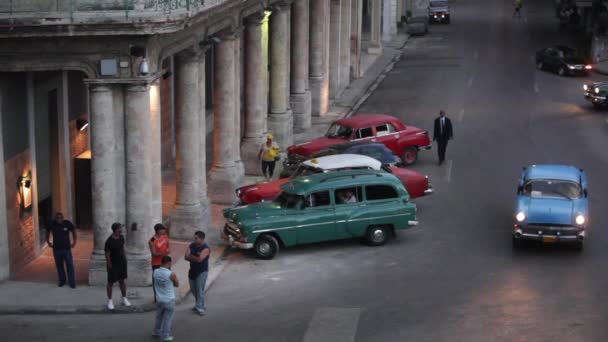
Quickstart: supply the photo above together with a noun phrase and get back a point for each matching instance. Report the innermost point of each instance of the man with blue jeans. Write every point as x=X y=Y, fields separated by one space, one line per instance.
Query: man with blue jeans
x=60 y=230
x=164 y=282
x=198 y=256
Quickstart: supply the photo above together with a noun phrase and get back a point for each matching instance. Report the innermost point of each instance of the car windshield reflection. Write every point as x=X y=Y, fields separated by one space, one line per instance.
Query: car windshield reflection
x=339 y=131
x=552 y=188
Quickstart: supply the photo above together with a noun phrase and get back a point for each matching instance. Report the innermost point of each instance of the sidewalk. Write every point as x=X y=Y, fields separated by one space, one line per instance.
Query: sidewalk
x=601 y=67
x=32 y=297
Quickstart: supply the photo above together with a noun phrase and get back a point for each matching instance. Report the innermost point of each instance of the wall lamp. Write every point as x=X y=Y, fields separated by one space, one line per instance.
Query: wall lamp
x=140 y=51
x=211 y=40
x=81 y=124
x=24 y=184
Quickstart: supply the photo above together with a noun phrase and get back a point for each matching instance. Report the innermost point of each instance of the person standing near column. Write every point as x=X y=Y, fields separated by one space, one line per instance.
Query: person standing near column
x=60 y=230
x=116 y=263
x=269 y=154
x=164 y=282
x=442 y=133
x=159 y=247
x=198 y=255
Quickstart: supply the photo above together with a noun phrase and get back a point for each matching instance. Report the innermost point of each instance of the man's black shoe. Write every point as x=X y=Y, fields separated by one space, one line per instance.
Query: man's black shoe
x=60 y=284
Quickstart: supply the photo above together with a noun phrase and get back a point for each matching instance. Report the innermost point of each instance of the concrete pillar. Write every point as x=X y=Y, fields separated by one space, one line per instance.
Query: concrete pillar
x=65 y=160
x=186 y=215
x=139 y=227
x=156 y=185
x=280 y=118
x=4 y=254
x=238 y=93
x=355 y=38
x=375 y=44
x=31 y=130
x=105 y=197
x=345 y=36
x=335 y=48
x=224 y=176
x=202 y=144
x=256 y=103
x=300 y=94
x=389 y=23
x=319 y=79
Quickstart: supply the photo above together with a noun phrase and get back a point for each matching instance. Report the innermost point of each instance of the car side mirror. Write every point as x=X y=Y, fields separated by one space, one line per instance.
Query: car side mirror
x=585 y=192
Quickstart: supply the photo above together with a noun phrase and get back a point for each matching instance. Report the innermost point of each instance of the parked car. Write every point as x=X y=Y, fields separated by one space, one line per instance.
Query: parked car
x=563 y=60
x=322 y=207
x=439 y=11
x=551 y=205
x=268 y=191
x=597 y=93
x=417 y=185
x=405 y=141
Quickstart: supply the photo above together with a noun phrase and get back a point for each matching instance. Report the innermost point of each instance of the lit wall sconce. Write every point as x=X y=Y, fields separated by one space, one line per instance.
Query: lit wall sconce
x=24 y=189
x=81 y=124
x=140 y=51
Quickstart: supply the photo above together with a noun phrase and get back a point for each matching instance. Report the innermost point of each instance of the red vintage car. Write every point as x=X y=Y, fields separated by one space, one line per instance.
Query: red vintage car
x=405 y=141
x=416 y=184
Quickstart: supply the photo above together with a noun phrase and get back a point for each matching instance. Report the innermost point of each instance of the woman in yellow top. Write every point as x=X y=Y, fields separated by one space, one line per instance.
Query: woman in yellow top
x=269 y=154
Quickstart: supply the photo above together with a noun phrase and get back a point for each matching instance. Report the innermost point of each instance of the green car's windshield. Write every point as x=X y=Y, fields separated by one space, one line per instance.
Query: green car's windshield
x=552 y=188
x=339 y=131
x=288 y=200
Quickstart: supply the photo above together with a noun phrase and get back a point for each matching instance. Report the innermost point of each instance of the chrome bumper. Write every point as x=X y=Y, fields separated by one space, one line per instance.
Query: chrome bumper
x=427 y=147
x=412 y=223
x=595 y=98
x=428 y=191
x=233 y=243
x=518 y=234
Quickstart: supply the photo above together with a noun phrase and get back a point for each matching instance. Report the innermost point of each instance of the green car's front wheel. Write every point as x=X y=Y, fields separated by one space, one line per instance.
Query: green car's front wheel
x=377 y=235
x=266 y=247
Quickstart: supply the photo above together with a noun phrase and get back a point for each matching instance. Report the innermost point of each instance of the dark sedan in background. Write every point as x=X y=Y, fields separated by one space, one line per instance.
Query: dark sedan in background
x=562 y=60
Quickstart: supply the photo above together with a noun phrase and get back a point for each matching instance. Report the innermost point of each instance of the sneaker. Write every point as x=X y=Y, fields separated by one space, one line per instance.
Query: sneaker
x=154 y=334
x=201 y=312
x=168 y=338
x=125 y=301
x=110 y=305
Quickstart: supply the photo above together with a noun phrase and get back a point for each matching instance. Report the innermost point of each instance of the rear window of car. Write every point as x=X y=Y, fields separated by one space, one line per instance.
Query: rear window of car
x=317 y=199
x=385 y=129
x=364 y=133
x=380 y=192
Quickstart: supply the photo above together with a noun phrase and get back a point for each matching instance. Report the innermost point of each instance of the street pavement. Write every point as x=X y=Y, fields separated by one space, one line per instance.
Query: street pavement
x=455 y=277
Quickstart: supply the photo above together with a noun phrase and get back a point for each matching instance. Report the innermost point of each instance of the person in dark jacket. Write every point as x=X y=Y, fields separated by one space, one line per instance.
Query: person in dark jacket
x=60 y=230
x=442 y=133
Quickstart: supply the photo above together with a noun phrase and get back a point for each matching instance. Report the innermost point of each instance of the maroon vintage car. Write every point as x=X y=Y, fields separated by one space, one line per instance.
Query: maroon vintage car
x=405 y=141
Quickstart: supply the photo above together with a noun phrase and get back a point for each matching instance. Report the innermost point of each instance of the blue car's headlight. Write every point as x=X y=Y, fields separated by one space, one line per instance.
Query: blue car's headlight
x=520 y=217
x=580 y=219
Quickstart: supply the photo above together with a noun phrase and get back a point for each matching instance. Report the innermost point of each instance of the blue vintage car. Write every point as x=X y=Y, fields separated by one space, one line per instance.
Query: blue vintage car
x=551 y=205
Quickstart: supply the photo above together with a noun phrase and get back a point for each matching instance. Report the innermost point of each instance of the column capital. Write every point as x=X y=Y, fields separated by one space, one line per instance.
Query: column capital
x=99 y=87
x=281 y=6
x=230 y=34
x=256 y=19
x=137 y=87
x=190 y=55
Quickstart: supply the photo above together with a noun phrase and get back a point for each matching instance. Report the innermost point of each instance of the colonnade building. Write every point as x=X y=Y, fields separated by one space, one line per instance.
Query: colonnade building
x=99 y=98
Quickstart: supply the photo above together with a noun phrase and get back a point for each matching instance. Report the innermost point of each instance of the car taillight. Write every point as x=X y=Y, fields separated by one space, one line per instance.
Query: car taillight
x=588 y=67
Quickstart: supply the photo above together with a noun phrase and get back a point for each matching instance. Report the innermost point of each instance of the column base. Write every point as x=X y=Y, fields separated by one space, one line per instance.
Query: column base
x=185 y=220
x=98 y=273
x=301 y=106
x=319 y=93
x=249 y=152
x=139 y=269
x=281 y=127
x=221 y=183
x=373 y=49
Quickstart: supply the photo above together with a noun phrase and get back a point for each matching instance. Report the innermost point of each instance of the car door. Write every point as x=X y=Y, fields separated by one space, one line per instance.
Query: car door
x=364 y=134
x=387 y=206
x=351 y=216
x=553 y=58
x=318 y=220
x=388 y=135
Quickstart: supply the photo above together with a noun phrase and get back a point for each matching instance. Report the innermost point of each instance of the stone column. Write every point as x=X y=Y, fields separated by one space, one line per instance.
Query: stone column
x=156 y=185
x=238 y=72
x=300 y=94
x=389 y=23
x=375 y=44
x=139 y=227
x=186 y=215
x=202 y=144
x=345 y=35
x=318 y=81
x=280 y=118
x=224 y=176
x=256 y=105
x=335 y=48
x=4 y=254
x=355 y=38
x=104 y=190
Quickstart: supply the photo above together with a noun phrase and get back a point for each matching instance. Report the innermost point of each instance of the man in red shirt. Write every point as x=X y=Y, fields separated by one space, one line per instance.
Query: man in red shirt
x=159 y=247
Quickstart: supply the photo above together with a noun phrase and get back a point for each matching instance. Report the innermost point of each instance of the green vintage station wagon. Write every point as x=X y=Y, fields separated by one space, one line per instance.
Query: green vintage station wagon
x=322 y=207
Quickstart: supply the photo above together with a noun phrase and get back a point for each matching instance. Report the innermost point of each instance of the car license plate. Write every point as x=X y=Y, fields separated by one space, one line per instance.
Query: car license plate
x=549 y=239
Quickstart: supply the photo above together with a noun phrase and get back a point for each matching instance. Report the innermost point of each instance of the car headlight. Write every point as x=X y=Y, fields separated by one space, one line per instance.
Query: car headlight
x=520 y=217
x=585 y=87
x=597 y=90
x=580 y=219
x=571 y=67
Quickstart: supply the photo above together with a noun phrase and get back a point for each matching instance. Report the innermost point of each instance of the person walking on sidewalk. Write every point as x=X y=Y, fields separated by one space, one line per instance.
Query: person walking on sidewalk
x=164 y=282
x=517 y=8
x=198 y=255
x=442 y=133
x=60 y=230
x=159 y=248
x=116 y=263
x=269 y=154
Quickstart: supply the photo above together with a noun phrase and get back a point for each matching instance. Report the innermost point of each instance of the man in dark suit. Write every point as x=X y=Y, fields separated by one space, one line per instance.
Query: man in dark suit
x=442 y=132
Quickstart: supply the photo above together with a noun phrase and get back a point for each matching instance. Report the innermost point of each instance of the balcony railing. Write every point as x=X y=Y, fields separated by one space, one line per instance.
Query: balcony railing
x=51 y=12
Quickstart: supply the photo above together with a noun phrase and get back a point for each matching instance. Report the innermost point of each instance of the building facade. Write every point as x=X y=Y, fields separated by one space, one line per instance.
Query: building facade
x=98 y=97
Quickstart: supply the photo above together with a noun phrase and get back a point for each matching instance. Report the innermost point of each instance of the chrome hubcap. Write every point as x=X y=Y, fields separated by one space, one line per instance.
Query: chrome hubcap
x=264 y=248
x=378 y=235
